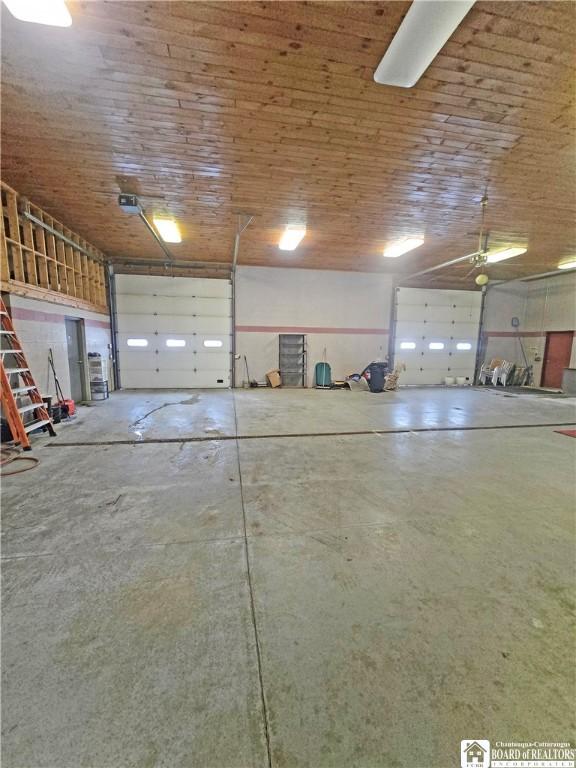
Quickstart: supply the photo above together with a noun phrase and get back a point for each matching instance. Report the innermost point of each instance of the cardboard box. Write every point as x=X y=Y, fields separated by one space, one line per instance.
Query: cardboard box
x=274 y=378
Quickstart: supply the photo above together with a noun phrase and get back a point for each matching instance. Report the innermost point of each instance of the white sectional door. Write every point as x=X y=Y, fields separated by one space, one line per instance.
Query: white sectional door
x=436 y=334
x=173 y=332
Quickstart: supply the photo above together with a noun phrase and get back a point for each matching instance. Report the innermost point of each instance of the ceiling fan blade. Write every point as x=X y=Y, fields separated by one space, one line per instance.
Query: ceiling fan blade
x=423 y=32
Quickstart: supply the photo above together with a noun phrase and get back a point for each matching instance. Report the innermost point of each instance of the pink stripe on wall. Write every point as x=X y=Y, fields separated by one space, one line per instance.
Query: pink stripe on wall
x=502 y=334
x=21 y=313
x=307 y=329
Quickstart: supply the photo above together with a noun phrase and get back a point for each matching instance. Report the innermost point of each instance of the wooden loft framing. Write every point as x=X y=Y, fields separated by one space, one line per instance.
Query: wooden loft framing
x=47 y=262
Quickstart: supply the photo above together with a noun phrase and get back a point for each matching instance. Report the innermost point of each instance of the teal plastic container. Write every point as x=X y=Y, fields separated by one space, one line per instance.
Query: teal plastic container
x=322 y=375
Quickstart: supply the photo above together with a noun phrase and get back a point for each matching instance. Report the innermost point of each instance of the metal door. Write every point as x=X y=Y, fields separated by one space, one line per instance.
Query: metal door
x=556 y=357
x=74 y=338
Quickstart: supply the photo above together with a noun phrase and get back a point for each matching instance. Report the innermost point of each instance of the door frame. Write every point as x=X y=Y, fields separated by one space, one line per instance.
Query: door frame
x=549 y=334
x=81 y=331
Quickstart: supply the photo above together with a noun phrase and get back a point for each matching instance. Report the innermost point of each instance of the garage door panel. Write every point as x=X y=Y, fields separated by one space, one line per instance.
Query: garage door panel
x=210 y=326
x=207 y=326
x=426 y=316
x=406 y=313
x=174 y=360
x=448 y=314
x=140 y=358
x=416 y=376
x=176 y=305
x=183 y=311
x=453 y=326
x=173 y=380
x=183 y=364
x=435 y=360
x=148 y=285
x=171 y=305
x=437 y=331
x=212 y=360
x=434 y=297
x=410 y=331
x=463 y=360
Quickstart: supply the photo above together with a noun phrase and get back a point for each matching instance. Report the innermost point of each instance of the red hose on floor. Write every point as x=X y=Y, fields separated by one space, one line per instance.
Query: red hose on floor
x=10 y=455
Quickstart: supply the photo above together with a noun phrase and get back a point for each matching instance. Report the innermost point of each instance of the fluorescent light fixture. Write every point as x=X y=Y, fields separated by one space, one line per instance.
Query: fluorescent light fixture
x=394 y=250
x=423 y=33
x=463 y=346
x=168 y=229
x=175 y=343
x=568 y=264
x=137 y=342
x=292 y=236
x=507 y=253
x=212 y=343
x=51 y=12
x=407 y=345
x=436 y=345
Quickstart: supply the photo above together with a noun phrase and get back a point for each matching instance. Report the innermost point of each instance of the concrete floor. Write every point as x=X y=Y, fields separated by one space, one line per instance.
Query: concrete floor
x=339 y=601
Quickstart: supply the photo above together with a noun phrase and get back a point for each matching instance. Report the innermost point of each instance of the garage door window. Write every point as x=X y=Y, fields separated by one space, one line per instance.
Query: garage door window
x=463 y=346
x=436 y=345
x=407 y=345
x=137 y=342
x=212 y=343
x=175 y=342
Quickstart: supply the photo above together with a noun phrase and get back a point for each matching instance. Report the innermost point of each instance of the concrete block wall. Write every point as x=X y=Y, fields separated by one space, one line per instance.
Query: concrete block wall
x=348 y=313
x=541 y=306
x=40 y=326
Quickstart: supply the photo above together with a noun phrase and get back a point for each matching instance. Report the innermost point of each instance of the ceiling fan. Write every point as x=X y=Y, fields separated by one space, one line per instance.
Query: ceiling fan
x=481 y=257
x=484 y=255
x=423 y=32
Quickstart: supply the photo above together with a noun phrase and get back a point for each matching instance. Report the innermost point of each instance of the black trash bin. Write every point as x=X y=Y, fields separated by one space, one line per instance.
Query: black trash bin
x=375 y=373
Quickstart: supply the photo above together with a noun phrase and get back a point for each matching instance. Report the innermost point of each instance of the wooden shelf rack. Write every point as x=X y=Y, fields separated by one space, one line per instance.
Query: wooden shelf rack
x=55 y=265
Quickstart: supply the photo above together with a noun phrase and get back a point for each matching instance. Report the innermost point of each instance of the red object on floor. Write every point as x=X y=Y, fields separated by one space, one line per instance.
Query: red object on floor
x=569 y=432
x=69 y=404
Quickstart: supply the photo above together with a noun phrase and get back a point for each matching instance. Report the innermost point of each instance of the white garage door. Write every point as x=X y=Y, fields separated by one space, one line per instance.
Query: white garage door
x=436 y=334
x=173 y=332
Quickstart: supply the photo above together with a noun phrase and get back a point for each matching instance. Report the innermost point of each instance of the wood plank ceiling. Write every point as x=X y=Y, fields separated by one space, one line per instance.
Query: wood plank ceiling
x=206 y=110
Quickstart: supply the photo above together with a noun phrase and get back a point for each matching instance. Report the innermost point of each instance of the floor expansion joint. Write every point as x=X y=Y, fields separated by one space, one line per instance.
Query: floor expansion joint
x=252 y=604
x=351 y=433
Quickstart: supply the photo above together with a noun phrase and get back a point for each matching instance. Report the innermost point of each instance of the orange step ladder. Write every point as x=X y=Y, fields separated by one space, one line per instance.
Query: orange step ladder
x=17 y=383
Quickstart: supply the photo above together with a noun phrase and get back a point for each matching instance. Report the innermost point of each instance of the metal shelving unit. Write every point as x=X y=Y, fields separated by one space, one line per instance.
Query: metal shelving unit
x=292 y=359
x=98 y=369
